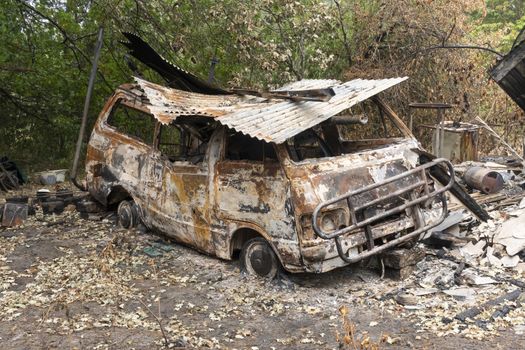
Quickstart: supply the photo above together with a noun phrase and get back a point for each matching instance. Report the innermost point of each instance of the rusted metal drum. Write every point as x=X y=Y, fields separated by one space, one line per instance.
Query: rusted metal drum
x=483 y=179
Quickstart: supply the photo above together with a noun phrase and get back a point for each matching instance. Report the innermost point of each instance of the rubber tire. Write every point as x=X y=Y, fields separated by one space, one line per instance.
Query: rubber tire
x=126 y=215
x=258 y=258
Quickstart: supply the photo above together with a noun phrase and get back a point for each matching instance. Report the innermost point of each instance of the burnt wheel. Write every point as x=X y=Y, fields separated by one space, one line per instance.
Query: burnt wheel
x=258 y=258
x=127 y=215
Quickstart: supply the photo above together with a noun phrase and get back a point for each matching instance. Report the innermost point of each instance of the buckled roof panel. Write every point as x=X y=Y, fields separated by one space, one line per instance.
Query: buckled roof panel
x=271 y=120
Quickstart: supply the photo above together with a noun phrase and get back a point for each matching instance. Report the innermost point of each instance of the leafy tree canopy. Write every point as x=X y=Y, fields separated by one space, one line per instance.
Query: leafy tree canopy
x=47 y=46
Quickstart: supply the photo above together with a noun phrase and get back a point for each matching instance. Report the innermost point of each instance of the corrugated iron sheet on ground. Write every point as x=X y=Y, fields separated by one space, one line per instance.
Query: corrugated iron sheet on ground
x=268 y=120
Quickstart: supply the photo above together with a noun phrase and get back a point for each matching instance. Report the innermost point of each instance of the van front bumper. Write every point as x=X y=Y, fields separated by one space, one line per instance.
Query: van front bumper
x=365 y=237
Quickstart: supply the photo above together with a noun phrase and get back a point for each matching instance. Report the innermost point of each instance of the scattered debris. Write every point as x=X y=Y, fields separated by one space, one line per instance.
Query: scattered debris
x=473 y=312
x=10 y=176
x=512 y=234
x=14 y=214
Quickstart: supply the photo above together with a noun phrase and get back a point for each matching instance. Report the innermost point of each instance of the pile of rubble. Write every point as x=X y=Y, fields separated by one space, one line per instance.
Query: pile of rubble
x=471 y=279
x=15 y=209
x=497 y=242
x=465 y=278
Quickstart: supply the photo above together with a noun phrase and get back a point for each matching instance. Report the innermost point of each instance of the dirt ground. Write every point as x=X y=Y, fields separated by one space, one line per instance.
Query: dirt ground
x=70 y=283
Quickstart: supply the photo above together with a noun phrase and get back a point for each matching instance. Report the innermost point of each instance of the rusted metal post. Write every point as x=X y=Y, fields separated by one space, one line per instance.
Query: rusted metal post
x=440 y=129
x=91 y=83
x=410 y=121
x=441 y=132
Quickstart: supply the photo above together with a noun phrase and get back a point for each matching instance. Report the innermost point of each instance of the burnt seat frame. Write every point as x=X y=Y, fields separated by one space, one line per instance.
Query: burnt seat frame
x=412 y=205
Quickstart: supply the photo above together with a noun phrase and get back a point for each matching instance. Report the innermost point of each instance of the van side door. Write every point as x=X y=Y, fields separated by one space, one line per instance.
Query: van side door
x=129 y=133
x=180 y=207
x=251 y=188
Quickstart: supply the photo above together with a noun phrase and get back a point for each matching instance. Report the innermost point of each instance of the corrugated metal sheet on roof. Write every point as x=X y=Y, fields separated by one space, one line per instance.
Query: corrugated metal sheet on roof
x=268 y=120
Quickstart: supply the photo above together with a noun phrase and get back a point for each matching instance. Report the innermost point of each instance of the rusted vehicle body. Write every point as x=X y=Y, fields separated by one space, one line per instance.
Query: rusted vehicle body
x=306 y=185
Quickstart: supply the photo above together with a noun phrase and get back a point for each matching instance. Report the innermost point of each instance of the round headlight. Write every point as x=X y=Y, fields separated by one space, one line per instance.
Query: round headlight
x=328 y=223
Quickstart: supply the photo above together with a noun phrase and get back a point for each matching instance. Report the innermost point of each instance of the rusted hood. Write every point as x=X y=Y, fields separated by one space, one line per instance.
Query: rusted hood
x=314 y=181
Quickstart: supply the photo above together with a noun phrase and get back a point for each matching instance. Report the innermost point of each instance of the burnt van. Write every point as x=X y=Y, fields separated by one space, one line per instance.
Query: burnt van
x=304 y=184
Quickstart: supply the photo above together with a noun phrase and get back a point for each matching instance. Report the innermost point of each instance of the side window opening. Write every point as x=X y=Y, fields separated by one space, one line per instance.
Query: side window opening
x=132 y=122
x=308 y=144
x=171 y=141
x=244 y=147
x=185 y=141
x=366 y=121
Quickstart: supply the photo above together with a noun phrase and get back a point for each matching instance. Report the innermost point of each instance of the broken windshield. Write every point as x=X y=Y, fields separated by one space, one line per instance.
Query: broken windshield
x=364 y=126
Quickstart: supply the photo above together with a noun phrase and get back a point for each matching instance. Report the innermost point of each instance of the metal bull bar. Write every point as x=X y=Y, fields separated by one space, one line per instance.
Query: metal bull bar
x=356 y=210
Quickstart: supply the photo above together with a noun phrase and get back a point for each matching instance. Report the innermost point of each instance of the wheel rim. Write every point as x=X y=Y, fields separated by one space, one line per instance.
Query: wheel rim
x=125 y=214
x=260 y=260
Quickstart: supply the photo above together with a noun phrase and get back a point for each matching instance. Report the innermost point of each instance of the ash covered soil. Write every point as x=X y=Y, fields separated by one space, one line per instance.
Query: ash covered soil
x=66 y=282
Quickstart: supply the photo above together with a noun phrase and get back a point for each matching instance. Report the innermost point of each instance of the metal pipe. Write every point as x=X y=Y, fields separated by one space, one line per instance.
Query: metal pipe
x=91 y=83
x=350 y=119
x=441 y=133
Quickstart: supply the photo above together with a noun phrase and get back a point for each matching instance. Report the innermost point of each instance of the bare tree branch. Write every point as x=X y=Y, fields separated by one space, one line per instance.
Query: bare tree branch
x=456 y=46
x=343 y=31
x=20 y=106
x=445 y=38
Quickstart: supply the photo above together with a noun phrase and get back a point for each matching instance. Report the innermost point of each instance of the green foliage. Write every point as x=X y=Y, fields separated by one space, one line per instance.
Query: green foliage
x=47 y=45
x=504 y=16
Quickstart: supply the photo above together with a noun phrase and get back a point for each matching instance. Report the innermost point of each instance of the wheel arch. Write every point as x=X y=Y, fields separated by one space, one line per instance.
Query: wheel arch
x=246 y=232
x=116 y=195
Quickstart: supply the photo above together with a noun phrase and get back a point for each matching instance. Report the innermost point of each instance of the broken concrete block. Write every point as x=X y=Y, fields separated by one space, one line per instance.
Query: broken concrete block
x=400 y=274
x=510 y=261
x=473 y=250
x=400 y=258
x=461 y=294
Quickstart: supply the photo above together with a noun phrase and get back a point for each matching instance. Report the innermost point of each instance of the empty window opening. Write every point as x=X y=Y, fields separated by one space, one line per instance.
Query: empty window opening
x=132 y=122
x=308 y=144
x=185 y=141
x=363 y=127
x=244 y=147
